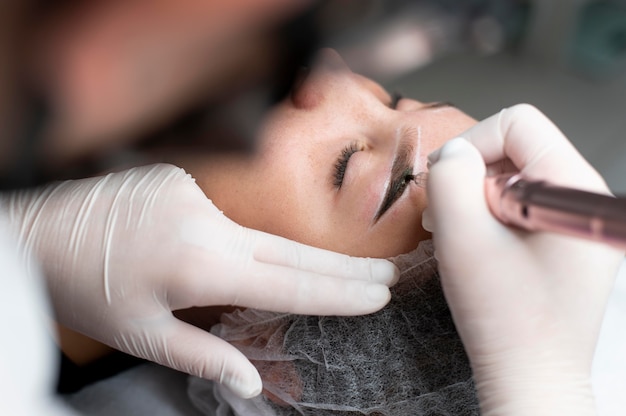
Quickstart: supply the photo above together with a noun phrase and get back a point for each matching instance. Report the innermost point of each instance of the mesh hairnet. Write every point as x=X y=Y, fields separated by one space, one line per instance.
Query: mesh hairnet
x=406 y=359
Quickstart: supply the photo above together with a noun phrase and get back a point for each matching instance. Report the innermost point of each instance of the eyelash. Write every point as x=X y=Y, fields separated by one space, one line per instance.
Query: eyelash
x=395 y=98
x=342 y=163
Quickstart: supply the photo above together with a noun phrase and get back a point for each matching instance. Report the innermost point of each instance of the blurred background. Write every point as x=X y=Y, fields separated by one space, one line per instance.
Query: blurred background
x=566 y=57
x=81 y=79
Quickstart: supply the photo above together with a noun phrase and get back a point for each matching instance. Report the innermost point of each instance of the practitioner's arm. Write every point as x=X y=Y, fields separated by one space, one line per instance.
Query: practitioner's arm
x=121 y=252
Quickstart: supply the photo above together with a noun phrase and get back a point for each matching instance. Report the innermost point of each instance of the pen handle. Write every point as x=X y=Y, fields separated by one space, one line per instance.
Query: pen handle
x=541 y=206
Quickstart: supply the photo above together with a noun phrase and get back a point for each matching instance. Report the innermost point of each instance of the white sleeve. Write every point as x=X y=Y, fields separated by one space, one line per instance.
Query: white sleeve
x=609 y=364
x=28 y=363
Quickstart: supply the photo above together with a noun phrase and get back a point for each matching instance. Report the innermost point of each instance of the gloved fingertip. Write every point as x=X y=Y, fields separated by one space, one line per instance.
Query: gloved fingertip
x=378 y=295
x=460 y=157
x=384 y=271
x=455 y=187
x=452 y=148
x=245 y=387
x=427 y=220
x=446 y=150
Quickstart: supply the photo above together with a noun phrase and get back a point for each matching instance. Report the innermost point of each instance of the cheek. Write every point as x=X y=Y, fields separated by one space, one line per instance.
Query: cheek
x=363 y=198
x=362 y=192
x=402 y=228
x=398 y=231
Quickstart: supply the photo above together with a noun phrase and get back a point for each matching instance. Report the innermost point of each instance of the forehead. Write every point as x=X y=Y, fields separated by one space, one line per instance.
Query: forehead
x=297 y=144
x=341 y=111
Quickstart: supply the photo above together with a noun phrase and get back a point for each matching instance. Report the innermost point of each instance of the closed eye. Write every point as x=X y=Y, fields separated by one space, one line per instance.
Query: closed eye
x=342 y=163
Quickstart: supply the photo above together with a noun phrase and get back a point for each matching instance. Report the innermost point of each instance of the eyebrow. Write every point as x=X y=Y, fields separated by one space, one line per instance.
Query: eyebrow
x=401 y=168
x=395 y=97
x=438 y=104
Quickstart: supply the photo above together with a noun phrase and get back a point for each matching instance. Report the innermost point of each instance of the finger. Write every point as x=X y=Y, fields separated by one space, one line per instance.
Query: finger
x=456 y=196
x=535 y=146
x=197 y=352
x=255 y=269
x=278 y=251
x=501 y=166
x=284 y=289
x=269 y=249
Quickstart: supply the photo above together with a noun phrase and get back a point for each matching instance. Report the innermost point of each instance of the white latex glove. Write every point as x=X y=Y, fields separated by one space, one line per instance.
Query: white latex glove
x=27 y=355
x=528 y=306
x=121 y=252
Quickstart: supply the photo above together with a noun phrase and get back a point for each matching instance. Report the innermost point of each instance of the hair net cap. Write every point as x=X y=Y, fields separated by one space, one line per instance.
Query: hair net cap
x=406 y=359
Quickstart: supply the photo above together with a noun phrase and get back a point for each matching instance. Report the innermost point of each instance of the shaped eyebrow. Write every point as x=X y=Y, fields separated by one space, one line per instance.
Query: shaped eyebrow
x=401 y=168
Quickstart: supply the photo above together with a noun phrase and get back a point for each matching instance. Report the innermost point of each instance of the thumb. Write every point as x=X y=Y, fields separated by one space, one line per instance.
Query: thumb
x=456 y=196
x=197 y=352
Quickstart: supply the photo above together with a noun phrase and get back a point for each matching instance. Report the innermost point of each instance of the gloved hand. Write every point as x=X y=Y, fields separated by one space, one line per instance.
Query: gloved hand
x=528 y=306
x=121 y=252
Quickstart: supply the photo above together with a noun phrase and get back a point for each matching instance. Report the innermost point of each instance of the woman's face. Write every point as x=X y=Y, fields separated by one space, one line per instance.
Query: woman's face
x=333 y=165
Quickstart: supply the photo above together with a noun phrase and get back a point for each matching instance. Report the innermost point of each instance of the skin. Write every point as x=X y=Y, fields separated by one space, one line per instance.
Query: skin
x=286 y=188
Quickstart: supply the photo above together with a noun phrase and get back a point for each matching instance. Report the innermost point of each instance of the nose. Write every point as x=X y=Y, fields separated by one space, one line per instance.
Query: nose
x=329 y=59
x=313 y=86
